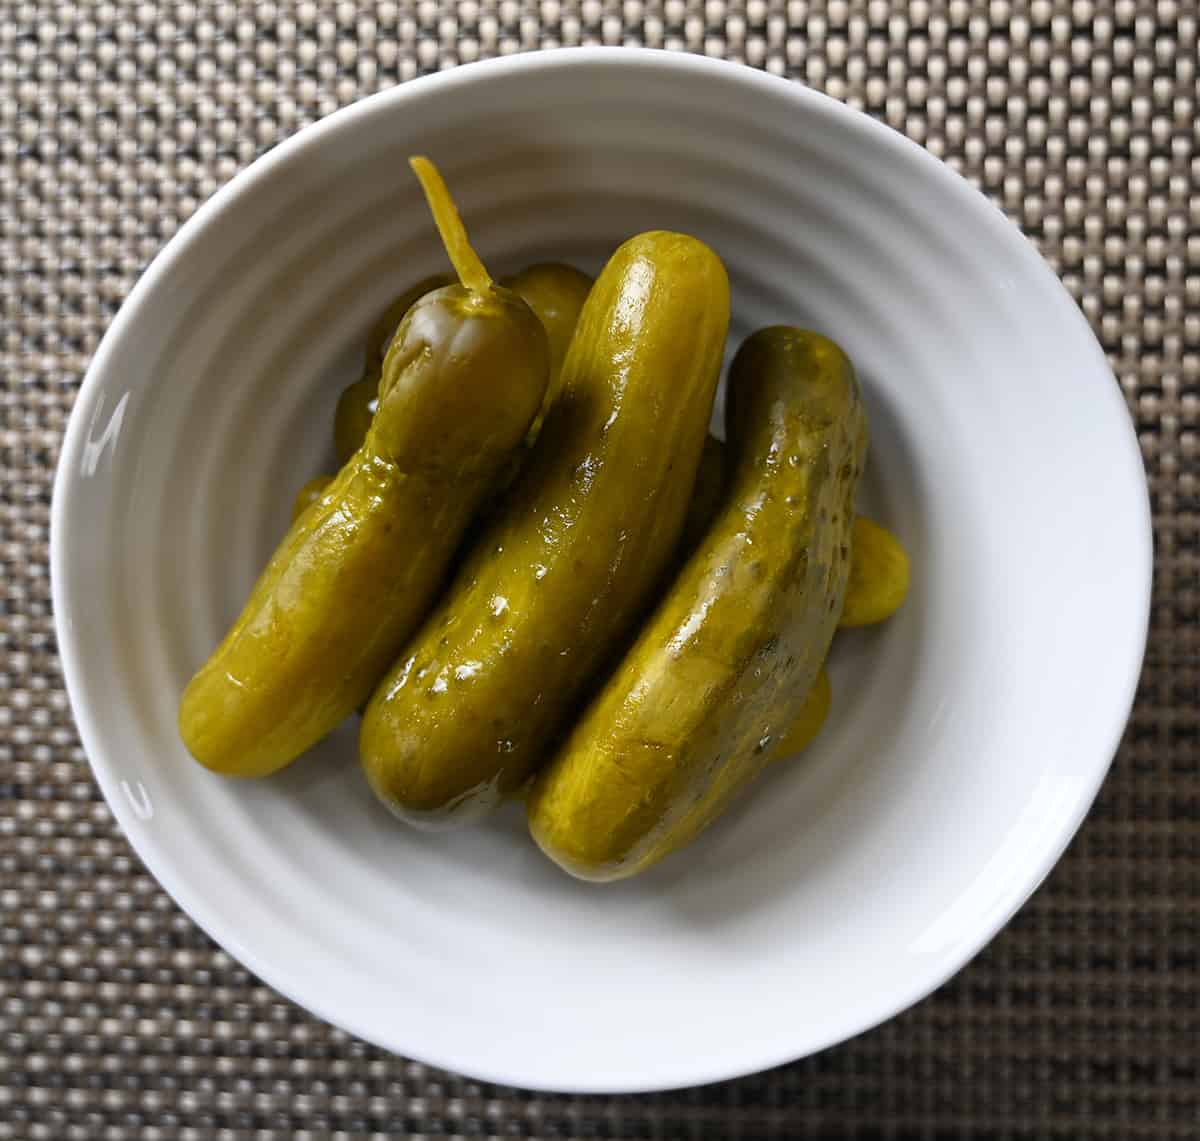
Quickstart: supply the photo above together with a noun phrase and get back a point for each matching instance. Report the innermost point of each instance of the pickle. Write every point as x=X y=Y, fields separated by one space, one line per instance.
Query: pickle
x=574 y=550
x=729 y=657
x=462 y=382
x=554 y=292
x=879 y=568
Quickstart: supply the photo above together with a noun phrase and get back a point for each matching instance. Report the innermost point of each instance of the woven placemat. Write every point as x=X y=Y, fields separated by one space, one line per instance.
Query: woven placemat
x=118 y=1018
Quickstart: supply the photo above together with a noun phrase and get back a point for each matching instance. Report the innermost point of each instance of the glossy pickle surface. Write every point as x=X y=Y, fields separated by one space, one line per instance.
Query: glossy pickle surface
x=570 y=557
x=725 y=663
x=879 y=565
x=462 y=382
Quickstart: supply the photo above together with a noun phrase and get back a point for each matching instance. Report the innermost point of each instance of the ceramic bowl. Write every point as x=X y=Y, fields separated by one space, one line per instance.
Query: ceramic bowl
x=968 y=735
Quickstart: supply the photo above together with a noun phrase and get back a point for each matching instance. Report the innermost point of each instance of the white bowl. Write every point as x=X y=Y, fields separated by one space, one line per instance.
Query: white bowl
x=968 y=736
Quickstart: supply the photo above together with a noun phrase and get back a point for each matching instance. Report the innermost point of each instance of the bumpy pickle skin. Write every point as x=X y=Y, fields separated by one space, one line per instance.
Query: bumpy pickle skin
x=879 y=565
x=877 y=586
x=570 y=558
x=712 y=483
x=358 y=570
x=727 y=660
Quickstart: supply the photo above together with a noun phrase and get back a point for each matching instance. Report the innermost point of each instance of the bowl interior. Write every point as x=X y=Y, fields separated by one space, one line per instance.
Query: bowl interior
x=967 y=737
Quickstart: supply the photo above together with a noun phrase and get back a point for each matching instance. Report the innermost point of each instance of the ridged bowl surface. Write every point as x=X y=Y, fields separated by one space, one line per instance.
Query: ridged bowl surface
x=968 y=735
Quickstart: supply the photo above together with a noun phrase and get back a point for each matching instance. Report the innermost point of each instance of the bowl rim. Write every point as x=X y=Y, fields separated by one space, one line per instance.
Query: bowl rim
x=674 y=1073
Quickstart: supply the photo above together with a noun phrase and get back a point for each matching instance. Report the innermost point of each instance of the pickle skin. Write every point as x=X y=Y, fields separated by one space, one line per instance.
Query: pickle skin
x=694 y=710
x=357 y=571
x=570 y=558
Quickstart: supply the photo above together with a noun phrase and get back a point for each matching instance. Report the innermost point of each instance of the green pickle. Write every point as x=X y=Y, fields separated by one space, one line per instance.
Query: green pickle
x=726 y=662
x=383 y=332
x=574 y=550
x=879 y=570
x=555 y=292
x=712 y=484
x=876 y=587
x=462 y=382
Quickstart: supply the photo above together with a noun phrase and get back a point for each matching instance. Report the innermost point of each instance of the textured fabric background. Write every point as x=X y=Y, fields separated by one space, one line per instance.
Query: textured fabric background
x=119 y=1019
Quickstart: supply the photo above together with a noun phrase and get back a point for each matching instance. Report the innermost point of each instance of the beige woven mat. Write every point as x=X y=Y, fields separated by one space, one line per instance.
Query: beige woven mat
x=119 y=1019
